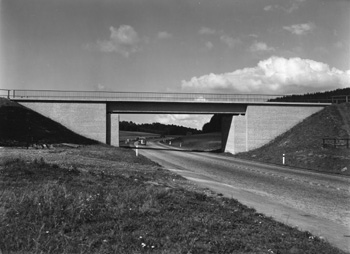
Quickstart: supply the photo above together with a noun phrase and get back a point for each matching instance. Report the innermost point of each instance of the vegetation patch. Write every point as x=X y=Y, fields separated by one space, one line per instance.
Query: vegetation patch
x=59 y=201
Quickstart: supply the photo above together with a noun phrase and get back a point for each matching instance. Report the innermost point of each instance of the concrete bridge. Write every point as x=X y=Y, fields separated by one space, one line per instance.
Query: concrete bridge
x=249 y=120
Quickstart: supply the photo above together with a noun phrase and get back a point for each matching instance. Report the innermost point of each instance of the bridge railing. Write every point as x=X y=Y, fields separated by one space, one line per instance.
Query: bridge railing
x=131 y=96
x=336 y=142
x=340 y=99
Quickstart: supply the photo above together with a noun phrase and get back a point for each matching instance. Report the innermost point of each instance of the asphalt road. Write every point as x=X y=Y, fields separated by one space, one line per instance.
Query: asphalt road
x=311 y=201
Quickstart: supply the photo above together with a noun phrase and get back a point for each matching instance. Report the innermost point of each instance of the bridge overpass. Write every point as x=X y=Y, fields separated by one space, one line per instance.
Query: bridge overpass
x=249 y=120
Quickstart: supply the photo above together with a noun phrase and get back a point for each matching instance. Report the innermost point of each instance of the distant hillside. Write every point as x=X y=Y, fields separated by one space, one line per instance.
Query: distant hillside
x=303 y=143
x=20 y=125
x=313 y=97
x=157 y=128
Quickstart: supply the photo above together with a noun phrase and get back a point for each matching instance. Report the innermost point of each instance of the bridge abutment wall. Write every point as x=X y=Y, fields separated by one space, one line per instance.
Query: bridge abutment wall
x=86 y=119
x=263 y=123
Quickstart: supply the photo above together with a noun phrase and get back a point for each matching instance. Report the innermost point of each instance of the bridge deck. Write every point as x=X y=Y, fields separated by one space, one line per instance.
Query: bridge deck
x=104 y=96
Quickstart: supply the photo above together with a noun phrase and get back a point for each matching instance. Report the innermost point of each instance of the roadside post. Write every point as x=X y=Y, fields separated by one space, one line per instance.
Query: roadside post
x=284 y=159
x=137 y=150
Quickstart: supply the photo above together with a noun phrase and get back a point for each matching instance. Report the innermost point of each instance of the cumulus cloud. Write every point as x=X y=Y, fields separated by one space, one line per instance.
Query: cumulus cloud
x=275 y=75
x=164 y=35
x=123 y=40
x=260 y=47
x=300 y=29
x=193 y=121
x=207 y=31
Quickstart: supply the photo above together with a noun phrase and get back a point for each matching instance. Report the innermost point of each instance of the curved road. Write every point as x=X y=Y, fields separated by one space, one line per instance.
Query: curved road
x=319 y=203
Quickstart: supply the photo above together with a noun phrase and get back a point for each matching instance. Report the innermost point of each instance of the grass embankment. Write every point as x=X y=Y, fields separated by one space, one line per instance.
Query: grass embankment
x=99 y=199
x=302 y=145
x=133 y=135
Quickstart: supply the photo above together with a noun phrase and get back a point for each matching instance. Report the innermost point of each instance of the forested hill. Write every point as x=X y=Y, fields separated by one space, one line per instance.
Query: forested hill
x=157 y=128
x=314 y=97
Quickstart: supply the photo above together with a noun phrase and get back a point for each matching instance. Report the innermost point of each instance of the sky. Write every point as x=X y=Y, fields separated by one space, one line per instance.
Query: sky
x=204 y=46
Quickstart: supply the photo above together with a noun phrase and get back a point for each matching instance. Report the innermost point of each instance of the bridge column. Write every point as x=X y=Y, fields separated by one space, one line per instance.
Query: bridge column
x=112 y=129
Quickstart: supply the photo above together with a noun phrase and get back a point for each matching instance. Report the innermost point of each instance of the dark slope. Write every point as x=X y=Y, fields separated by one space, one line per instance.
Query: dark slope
x=20 y=126
x=303 y=143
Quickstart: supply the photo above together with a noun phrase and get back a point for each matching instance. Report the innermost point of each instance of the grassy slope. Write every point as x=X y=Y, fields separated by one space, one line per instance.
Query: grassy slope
x=200 y=142
x=303 y=143
x=98 y=199
x=20 y=125
x=132 y=135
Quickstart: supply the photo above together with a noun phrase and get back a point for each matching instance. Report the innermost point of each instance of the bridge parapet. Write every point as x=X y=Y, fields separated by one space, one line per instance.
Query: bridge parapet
x=55 y=95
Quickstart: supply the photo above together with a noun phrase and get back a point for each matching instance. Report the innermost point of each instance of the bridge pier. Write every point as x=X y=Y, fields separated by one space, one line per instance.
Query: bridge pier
x=112 y=129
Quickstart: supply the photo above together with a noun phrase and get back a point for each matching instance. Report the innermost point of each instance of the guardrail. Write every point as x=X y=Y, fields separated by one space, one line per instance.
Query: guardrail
x=156 y=97
x=336 y=142
x=131 y=96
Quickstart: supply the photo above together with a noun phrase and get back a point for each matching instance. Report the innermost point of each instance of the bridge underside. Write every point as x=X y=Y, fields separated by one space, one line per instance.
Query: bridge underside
x=175 y=108
x=245 y=126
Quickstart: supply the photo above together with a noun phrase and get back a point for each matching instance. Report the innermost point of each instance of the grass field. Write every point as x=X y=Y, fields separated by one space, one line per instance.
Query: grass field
x=99 y=199
x=199 y=142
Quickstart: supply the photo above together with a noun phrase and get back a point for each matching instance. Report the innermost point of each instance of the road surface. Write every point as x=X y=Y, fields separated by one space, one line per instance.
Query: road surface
x=319 y=203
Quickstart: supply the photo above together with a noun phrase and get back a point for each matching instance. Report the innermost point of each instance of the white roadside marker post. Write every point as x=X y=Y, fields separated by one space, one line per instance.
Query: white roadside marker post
x=284 y=159
x=137 y=150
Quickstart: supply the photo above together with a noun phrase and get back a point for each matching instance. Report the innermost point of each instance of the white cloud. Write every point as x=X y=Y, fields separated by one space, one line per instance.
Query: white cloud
x=300 y=29
x=260 y=47
x=207 y=31
x=275 y=75
x=209 y=45
x=123 y=40
x=100 y=87
x=339 y=45
x=268 y=8
x=164 y=35
x=229 y=41
x=295 y=5
x=193 y=121
x=224 y=38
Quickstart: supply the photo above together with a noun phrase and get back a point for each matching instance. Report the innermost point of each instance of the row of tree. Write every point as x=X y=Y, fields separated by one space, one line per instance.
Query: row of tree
x=326 y=97
x=157 y=128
